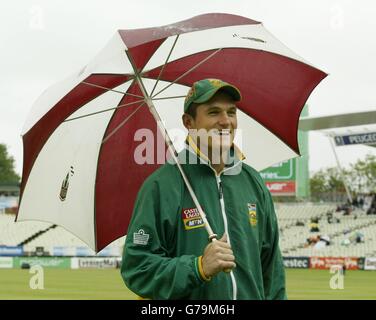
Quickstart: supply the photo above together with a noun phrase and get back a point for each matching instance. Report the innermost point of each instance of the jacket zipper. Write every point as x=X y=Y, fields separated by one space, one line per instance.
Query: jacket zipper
x=222 y=203
x=223 y=210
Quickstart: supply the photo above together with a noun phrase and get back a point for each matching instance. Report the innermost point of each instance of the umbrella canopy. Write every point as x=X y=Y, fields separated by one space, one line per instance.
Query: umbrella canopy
x=80 y=140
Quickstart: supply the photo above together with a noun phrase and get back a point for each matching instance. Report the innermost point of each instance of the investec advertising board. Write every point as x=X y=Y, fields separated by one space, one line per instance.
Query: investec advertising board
x=281 y=178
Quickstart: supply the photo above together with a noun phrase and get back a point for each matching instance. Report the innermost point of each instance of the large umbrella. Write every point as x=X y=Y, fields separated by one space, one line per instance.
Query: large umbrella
x=80 y=140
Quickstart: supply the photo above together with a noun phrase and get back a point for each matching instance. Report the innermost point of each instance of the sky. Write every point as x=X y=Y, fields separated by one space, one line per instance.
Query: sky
x=44 y=41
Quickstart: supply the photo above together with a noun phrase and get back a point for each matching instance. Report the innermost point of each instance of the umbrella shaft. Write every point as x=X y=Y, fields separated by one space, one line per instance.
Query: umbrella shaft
x=174 y=154
x=172 y=150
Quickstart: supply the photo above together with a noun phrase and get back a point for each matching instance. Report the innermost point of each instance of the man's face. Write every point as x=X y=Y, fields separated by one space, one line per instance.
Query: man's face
x=215 y=122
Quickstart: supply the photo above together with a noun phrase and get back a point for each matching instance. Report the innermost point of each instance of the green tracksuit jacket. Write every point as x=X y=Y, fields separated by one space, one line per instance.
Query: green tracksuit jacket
x=166 y=236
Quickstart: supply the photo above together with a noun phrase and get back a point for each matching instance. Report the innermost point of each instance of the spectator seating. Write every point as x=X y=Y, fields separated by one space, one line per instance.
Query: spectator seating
x=293 y=220
x=293 y=238
x=13 y=234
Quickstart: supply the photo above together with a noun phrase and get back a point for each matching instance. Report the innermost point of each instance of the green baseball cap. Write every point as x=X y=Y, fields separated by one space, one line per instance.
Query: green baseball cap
x=203 y=90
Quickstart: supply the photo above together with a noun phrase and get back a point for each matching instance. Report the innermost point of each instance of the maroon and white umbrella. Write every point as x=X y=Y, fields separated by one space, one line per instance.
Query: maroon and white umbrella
x=82 y=136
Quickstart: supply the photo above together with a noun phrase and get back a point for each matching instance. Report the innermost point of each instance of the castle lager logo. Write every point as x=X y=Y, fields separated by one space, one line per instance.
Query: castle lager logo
x=65 y=184
x=191 y=218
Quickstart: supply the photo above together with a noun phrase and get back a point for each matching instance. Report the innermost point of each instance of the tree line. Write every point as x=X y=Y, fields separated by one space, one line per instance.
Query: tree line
x=8 y=174
x=360 y=177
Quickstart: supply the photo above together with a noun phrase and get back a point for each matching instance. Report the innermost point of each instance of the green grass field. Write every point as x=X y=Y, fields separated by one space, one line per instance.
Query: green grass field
x=107 y=284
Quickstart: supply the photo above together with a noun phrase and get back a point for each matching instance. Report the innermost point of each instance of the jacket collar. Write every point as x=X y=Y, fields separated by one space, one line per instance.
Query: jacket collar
x=234 y=153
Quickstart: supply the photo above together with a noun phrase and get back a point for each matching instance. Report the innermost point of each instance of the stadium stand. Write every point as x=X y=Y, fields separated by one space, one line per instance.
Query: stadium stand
x=34 y=234
x=342 y=235
x=289 y=215
x=348 y=235
x=12 y=234
x=56 y=237
x=59 y=237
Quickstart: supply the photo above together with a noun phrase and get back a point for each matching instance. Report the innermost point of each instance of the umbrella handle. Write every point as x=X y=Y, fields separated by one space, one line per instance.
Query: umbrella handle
x=213 y=238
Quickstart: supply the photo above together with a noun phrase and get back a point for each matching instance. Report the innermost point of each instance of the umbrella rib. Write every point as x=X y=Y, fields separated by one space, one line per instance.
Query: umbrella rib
x=167 y=59
x=173 y=97
x=113 y=90
x=105 y=110
x=187 y=72
x=122 y=123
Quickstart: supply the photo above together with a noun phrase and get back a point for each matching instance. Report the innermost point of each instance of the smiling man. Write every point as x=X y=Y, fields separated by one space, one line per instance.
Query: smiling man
x=167 y=254
x=210 y=117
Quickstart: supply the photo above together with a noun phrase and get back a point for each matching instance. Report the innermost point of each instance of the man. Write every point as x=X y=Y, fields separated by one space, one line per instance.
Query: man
x=167 y=254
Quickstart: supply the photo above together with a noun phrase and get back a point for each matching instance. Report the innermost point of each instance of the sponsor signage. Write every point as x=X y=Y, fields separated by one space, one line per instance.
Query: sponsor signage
x=6 y=262
x=370 y=263
x=361 y=138
x=361 y=261
x=11 y=251
x=95 y=263
x=280 y=179
x=61 y=251
x=296 y=262
x=46 y=262
x=281 y=187
x=284 y=170
x=351 y=263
